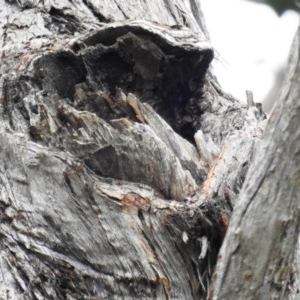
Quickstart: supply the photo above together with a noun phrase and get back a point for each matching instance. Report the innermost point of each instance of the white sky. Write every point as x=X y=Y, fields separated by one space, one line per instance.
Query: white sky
x=253 y=43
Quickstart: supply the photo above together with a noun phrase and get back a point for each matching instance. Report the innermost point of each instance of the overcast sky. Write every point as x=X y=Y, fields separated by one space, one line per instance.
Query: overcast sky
x=253 y=43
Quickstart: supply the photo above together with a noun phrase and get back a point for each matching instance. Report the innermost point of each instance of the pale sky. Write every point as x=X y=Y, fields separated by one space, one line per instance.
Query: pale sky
x=252 y=41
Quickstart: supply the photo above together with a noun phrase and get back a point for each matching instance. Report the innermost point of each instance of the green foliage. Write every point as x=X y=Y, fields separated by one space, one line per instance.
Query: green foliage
x=280 y=5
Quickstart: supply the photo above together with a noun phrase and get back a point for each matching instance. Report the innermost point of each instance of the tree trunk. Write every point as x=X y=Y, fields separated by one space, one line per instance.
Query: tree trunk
x=122 y=159
x=257 y=260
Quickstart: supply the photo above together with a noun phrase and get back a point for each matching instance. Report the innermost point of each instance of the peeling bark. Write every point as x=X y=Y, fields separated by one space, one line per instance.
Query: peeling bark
x=258 y=259
x=122 y=158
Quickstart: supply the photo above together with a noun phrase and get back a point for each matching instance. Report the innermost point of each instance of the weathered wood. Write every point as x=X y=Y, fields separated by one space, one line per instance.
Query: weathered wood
x=122 y=158
x=257 y=260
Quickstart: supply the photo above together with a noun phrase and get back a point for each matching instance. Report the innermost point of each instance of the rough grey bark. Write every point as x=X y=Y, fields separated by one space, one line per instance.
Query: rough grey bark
x=258 y=260
x=122 y=158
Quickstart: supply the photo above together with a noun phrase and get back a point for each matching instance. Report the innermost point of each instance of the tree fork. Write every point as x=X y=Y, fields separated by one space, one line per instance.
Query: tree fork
x=122 y=158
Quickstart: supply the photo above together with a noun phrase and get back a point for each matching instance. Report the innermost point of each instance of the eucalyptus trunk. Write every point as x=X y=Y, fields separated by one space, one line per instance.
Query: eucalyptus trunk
x=123 y=159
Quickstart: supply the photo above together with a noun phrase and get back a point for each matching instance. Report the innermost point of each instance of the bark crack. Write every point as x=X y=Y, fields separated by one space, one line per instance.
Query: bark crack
x=96 y=12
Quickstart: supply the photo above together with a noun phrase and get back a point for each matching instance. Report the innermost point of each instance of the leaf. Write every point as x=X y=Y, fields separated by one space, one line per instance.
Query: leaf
x=280 y=6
